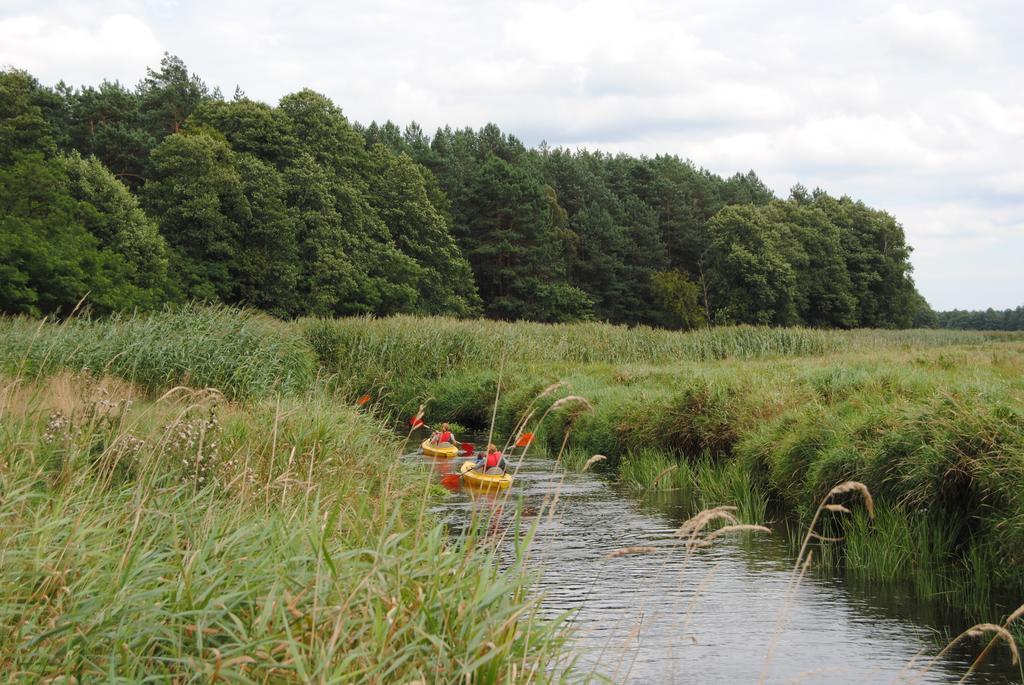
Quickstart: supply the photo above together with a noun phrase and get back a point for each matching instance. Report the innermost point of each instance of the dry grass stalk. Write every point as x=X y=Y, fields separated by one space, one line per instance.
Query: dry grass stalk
x=196 y=395
x=176 y=390
x=568 y=399
x=909 y=665
x=794 y=585
x=1016 y=614
x=497 y=396
x=561 y=449
x=663 y=473
x=1001 y=632
x=974 y=631
x=553 y=507
x=518 y=432
x=697 y=594
x=522 y=455
x=630 y=551
x=855 y=486
x=803 y=559
x=530 y=411
x=618 y=676
x=551 y=388
x=729 y=530
x=593 y=460
x=700 y=520
x=513 y=438
x=657 y=479
x=825 y=505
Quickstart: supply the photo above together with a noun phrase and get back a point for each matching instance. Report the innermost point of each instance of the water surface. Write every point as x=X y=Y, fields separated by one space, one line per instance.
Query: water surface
x=664 y=617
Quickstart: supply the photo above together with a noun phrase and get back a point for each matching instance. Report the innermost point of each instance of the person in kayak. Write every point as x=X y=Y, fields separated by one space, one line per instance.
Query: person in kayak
x=442 y=437
x=493 y=463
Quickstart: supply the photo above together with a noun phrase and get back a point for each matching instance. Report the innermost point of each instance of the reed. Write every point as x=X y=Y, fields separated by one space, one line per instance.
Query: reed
x=766 y=419
x=242 y=354
x=435 y=345
x=192 y=538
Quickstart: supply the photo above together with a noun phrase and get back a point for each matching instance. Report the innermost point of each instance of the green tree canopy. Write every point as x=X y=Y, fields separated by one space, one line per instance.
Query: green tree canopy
x=679 y=300
x=295 y=210
x=168 y=96
x=752 y=278
x=119 y=224
x=445 y=280
x=23 y=126
x=49 y=260
x=513 y=247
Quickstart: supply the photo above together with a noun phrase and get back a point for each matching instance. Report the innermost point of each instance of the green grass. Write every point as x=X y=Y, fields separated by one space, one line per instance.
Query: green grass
x=374 y=352
x=241 y=354
x=768 y=419
x=703 y=481
x=277 y=541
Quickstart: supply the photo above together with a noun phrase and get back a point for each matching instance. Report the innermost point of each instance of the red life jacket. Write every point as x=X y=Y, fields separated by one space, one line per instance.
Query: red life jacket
x=446 y=436
x=493 y=460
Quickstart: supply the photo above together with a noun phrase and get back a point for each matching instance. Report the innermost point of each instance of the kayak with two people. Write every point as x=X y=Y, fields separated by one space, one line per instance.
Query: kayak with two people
x=441 y=443
x=489 y=471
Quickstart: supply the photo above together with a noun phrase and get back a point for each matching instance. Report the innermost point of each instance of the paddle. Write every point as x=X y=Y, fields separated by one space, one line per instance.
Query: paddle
x=454 y=480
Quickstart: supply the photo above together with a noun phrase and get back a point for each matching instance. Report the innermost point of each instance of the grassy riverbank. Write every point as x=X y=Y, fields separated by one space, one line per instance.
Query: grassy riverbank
x=931 y=421
x=264 y=533
x=769 y=419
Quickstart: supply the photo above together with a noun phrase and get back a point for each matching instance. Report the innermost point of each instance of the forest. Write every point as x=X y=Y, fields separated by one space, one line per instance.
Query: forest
x=988 y=320
x=169 y=192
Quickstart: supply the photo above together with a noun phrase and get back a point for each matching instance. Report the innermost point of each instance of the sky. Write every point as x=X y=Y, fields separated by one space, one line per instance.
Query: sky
x=915 y=108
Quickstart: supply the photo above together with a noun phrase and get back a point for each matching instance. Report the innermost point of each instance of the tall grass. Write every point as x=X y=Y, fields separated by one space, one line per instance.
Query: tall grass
x=702 y=481
x=933 y=428
x=927 y=419
x=277 y=541
x=396 y=348
x=242 y=354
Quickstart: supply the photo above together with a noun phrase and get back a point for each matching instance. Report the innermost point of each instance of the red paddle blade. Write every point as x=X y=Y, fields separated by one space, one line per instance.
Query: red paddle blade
x=415 y=422
x=450 y=480
x=468 y=447
x=524 y=440
x=363 y=400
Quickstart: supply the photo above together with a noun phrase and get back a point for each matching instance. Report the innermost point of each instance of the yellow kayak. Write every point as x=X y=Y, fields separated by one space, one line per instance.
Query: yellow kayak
x=438 y=451
x=481 y=480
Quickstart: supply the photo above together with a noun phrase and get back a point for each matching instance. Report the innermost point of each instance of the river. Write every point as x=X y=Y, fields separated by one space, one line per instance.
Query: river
x=657 y=617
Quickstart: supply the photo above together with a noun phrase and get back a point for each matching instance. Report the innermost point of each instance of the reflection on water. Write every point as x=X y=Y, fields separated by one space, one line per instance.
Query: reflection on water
x=656 y=618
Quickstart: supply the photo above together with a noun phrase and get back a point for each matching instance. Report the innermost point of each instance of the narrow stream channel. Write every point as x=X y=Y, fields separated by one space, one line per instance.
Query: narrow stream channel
x=655 y=618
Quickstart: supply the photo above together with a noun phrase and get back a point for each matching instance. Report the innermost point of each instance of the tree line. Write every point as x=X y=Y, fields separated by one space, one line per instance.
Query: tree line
x=168 y=192
x=987 y=320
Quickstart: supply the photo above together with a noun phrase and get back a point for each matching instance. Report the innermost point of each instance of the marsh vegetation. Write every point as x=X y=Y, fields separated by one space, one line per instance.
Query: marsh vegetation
x=197 y=492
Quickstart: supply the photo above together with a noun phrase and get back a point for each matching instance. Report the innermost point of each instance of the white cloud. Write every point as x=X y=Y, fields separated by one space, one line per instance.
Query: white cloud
x=119 y=46
x=845 y=143
x=939 y=33
x=967 y=257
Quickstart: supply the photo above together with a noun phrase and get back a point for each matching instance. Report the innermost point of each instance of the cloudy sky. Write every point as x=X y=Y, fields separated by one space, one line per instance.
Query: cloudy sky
x=916 y=108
